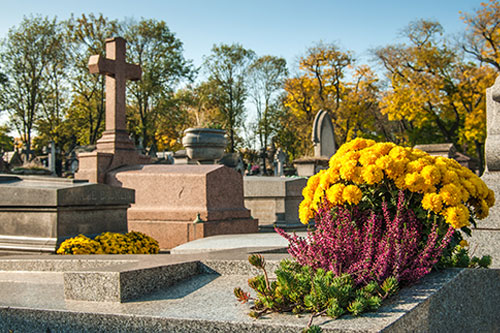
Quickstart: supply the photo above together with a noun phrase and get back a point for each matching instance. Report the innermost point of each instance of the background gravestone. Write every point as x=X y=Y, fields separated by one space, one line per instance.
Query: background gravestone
x=323 y=137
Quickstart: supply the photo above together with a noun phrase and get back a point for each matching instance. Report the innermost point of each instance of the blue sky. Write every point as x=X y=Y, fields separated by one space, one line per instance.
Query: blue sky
x=276 y=27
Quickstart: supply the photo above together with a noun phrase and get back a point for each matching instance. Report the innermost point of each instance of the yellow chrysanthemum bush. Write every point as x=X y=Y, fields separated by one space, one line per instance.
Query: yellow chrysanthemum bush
x=366 y=173
x=110 y=243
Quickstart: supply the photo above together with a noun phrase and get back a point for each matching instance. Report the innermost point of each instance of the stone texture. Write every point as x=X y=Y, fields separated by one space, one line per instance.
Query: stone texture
x=308 y=166
x=451 y=300
x=38 y=213
x=169 y=198
x=274 y=200
x=487 y=236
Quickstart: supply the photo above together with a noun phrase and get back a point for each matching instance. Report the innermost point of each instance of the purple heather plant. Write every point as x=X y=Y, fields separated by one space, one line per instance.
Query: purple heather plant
x=370 y=245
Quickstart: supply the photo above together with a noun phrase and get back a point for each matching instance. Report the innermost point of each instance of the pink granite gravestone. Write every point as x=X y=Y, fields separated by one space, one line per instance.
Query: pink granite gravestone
x=168 y=197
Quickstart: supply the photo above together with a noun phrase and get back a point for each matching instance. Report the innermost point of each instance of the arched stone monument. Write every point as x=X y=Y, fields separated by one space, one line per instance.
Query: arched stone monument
x=323 y=137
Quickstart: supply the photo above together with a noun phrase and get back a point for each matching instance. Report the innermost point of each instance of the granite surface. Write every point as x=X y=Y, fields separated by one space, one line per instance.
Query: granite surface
x=452 y=300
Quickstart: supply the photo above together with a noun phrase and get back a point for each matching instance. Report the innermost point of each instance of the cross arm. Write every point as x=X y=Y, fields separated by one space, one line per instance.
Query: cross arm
x=133 y=72
x=100 y=65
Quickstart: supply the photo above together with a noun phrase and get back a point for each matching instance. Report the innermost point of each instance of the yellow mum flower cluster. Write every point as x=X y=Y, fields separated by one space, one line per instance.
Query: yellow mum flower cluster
x=445 y=187
x=110 y=243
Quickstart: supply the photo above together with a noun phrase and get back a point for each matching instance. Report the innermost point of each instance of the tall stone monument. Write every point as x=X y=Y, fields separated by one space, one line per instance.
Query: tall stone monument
x=323 y=137
x=114 y=148
x=487 y=234
x=174 y=204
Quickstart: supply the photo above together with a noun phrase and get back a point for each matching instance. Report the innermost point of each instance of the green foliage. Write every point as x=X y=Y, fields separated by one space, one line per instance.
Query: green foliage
x=6 y=141
x=460 y=257
x=33 y=59
x=300 y=289
x=227 y=69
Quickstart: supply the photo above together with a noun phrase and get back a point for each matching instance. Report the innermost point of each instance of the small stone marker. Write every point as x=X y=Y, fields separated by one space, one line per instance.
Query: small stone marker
x=280 y=158
x=52 y=158
x=323 y=135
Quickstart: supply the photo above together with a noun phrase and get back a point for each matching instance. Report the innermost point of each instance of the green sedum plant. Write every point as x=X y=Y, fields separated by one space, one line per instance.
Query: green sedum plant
x=302 y=289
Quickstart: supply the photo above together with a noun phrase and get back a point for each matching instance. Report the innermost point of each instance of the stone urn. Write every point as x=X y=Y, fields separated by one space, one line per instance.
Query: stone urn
x=204 y=145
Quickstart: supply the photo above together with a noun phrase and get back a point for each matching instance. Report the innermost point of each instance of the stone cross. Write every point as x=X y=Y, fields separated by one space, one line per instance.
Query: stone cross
x=492 y=144
x=117 y=72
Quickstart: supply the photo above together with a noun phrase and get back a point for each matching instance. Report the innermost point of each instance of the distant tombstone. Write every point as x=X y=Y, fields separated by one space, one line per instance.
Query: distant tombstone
x=323 y=135
x=280 y=159
x=52 y=157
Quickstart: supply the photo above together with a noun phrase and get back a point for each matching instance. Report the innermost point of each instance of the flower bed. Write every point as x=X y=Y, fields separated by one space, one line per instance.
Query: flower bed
x=110 y=243
x=385 y=217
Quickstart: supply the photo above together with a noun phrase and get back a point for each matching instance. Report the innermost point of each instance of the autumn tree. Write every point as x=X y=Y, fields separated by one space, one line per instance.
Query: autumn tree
x=227 y=69
x=155 y=48
x=86 y=36
x=434 y=94
x=482 y=37
x=328 y=80
x=30 y=54
x=267 y=75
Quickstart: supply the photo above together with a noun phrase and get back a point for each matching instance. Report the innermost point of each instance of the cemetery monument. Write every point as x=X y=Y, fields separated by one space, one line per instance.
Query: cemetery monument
x=169 y=198
x=323 y=137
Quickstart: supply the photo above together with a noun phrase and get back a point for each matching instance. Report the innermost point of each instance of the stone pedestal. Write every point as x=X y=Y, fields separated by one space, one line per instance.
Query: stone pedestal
x=274 y=201
x=93 y=166
x=309 y=166
x=38 y=213
x=168 y=199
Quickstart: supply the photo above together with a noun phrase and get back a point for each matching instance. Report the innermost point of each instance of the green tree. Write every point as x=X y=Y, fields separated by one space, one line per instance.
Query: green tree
x=86 y=36
x=267 y=76
x=155 y=48
x=28 y=56
x=227 y=68
x=6 y=141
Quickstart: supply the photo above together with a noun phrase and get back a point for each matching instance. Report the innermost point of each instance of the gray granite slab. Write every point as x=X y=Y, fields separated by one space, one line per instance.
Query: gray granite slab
x=452 y=300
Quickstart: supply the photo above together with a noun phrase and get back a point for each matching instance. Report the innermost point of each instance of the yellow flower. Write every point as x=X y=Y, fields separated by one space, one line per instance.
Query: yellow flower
x=457 y=216
x=305 y=213
x=334 y=194
x=368 y=158
x=431 y=175
x=451 y=194
x=415 y=182
x=483 y=210
x=490 y=198
x=352 y=194
x=464 y=243
x=432 y=201
x=372 y=174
